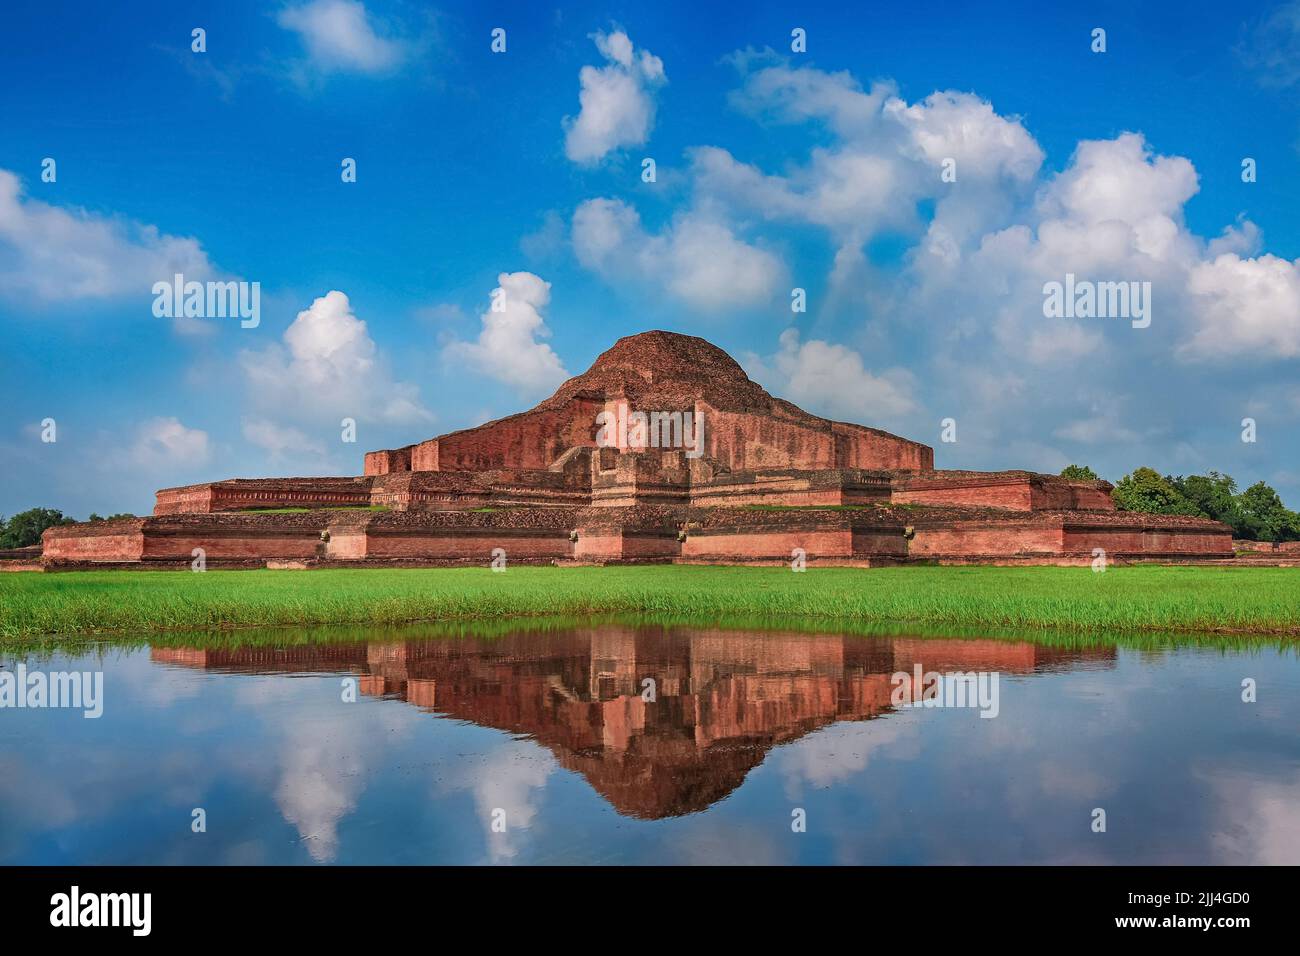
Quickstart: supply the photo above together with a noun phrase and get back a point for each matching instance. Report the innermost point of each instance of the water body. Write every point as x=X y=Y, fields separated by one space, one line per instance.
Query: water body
x=541 y=745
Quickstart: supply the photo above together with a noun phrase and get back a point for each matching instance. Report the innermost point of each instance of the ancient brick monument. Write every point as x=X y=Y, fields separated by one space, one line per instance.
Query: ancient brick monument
x=664 y=450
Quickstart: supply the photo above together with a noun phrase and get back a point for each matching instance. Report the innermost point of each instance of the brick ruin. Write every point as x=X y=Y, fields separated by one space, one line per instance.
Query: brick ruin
x=664 y=450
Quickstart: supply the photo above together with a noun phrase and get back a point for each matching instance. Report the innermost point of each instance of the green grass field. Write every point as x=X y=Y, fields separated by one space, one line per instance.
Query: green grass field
x=1124 y=599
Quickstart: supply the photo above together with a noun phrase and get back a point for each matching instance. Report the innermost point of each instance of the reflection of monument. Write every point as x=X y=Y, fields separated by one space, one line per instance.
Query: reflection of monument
x=722 y=699
x=662 y=450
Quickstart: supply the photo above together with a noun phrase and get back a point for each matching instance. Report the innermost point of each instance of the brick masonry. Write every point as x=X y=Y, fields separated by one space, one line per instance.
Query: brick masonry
x=767 y=479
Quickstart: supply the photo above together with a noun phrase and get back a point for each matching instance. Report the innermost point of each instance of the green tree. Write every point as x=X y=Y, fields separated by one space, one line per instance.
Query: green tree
x=1265 y=518
x=24 y=529
x=1215 y=496
x=95 y=517
x=1078 y=473
x=1147 y=491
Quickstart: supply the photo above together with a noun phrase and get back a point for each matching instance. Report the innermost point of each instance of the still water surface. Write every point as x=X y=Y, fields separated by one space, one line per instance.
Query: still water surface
x=540 y=746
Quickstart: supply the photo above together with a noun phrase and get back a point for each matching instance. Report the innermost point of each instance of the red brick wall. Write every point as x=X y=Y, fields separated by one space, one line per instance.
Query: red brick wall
x=869 y=543
x=1153 y=541
x=75 y=544
x=531 y=440
x=767 y=544
x=195 y=498
x=1014 y=496
x=268 y=493
x=385 y=462
x=858 y=447
x=976 y=539
x=1063 y=497
x=611 y=545
x=468 y=545
x=424 y=456
x=1014 y=492
x=346 y=545
x=747 y=442
x=282 y=543
x=224 y=499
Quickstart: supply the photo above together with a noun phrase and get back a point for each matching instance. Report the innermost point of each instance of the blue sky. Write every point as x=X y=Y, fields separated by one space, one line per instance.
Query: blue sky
x=522 y=170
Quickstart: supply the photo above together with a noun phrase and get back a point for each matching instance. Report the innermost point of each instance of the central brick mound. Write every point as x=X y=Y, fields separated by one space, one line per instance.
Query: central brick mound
x=664 y=450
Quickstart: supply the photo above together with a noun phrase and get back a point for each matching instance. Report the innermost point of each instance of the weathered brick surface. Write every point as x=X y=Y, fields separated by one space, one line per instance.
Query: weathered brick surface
x=98 y=541
x=770 y=478
x=250 y=493
x=744 y=427
x=1012 y=490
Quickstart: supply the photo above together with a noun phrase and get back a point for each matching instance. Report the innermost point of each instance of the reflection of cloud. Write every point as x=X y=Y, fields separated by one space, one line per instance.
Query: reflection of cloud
x=840 y=752
x=1071 y=780
x=722 y=843
x=1259 y=820
x=155 y=684
x=320 y=779
x=27 y=795
x=506 y=781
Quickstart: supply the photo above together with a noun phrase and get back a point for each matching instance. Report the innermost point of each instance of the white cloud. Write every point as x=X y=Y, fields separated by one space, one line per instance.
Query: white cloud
x=887 y=156
x=166 y=445
x=961 y=126
x=1103 y=427
x=698 y=258
x=329 y=364
x=833 y=380
x=617 y=100
x=58 y=255
x=1248 y=307
x=850 y=192
x=1115 y=213
x=340 y=37
x=279 y=440
x=1120 y=179
x=963 y=304
x=508 y=347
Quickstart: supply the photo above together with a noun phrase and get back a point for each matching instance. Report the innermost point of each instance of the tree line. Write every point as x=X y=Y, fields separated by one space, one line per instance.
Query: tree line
x=1256 y=514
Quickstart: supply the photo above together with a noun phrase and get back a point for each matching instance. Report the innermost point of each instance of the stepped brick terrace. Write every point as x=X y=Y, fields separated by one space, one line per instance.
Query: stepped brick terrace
x=663 y=451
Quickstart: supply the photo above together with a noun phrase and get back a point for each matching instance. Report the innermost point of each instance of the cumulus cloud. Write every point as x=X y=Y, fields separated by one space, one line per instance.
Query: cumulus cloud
x=962 y=298
x=833 y=380
x=1247 y=307
x=698 y=258
x=886 y=156
x=999 y=232
x=1116 y=213
x=340 y=37
x=59 y=255
x=328 y=364
x=508 y=347
x=617 y=100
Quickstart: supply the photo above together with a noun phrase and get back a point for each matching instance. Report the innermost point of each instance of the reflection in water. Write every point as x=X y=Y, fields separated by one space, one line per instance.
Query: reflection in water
x=721 y=700
x=653 y=744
